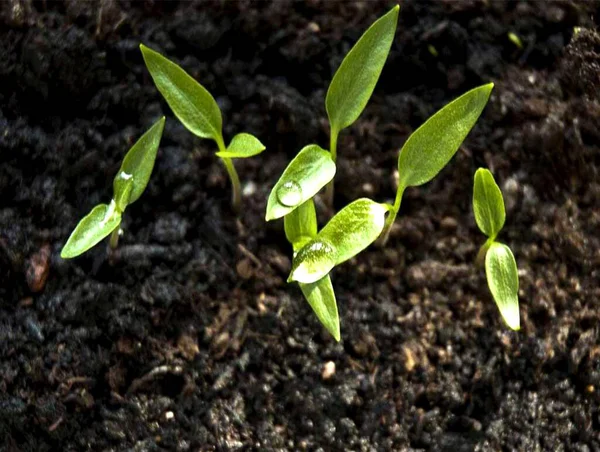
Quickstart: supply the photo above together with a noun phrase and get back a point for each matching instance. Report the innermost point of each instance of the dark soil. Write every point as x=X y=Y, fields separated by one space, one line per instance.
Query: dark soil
x=190 y=339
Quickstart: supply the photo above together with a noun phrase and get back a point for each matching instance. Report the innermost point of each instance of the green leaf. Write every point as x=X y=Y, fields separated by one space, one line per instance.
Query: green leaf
x=242 y=145
x=355 y=80
x=349 y=232
x=306 y=174
x=99 y=223
x=503 y=281
x=432 y=145
x=321 y=297
x=301 y=225
x=190 y=101
x=488 y=204
x=138 y=164
x=122 y=187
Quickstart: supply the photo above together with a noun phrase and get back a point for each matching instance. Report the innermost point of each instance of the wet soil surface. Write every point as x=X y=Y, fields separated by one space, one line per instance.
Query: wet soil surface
x=190 y=339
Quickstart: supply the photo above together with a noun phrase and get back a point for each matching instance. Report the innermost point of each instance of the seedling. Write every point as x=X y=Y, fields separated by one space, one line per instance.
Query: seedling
x=354 y=82
x=198 y=111
x=360 y=223
x=128 y=185
x=500 y=265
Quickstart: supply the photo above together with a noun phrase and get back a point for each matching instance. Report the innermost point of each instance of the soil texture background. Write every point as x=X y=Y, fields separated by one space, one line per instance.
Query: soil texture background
x=189 y=338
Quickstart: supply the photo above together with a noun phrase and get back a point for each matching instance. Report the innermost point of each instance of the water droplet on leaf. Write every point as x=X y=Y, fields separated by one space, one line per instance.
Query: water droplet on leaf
x=290 y=194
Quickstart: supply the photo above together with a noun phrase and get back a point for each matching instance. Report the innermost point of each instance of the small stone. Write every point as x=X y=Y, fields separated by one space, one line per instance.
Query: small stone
x=328 y=370
x=38 y=268
x=449 y=223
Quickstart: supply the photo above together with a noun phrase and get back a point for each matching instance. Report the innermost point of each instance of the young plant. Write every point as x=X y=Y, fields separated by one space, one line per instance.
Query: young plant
x=128 y=185
x=198 y=111
x=360 y=223
x=500 y=265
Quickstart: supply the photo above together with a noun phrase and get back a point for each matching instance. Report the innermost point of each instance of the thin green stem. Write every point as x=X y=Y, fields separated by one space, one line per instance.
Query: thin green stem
x=389 y=221
x=236 y=193
x=114 y=238
x=333 y=150
x=236 y=188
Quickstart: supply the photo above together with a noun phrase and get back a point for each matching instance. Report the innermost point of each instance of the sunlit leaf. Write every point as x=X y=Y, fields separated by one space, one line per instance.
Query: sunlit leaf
x=301 y=225
x=349 y=232
x=306 y=174
x=242 y=145
x=122 y=187
x=432 y=145
x=95 y=226
x=139 y=162
x=488 y=204
x=190 y=101
x=321 y=298
x=503 y=281
x=355 y=80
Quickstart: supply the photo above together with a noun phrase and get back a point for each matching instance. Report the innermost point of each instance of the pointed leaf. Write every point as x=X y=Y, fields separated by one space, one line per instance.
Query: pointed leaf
x=432 y=145
x=242 y=145
x=139 y=162
x=349 y=232
x=355 y=80
x=488 y=204
x=306 y=174
x=95 y=226
x=503 y=281
x=321 y=297
x=301 y=225
x=190 y=101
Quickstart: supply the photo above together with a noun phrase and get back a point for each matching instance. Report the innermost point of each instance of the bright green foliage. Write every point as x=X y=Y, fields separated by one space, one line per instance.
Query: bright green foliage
x=488 y=204
x=301 y=225
x=193 y=105
x=129 y=184
x=301 y=228
x=321 y=297
x=242 y=145
x=432 y=145
x=500 y=264
x=198 y=111
x=355 y=80
x=503 y=281
x=306 y=174
x=349 y=232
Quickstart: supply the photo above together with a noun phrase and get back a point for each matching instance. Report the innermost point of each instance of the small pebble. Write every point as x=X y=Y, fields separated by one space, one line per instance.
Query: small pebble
x=328 y=370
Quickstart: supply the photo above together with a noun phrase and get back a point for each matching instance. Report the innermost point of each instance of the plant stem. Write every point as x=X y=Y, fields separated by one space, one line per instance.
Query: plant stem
x=114 y=238
x=389 y=221
x=333 y=150
x=236 y=189
x=480 y=259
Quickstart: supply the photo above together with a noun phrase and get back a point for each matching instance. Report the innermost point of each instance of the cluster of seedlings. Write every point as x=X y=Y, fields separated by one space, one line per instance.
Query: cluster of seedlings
x=317 y=252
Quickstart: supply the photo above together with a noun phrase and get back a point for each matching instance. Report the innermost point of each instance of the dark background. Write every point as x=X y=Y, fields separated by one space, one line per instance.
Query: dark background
x=190 y=339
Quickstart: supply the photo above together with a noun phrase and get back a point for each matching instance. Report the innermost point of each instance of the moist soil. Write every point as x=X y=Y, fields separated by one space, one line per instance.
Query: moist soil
x=188 y=337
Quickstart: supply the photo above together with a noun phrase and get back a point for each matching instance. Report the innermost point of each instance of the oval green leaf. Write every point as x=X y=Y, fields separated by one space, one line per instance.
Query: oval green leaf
x=488 y=204
x=243 y=145
x=321 y=298
x=503 y=281
x=432 y=145
x=190 y=101
x=306 y=174
x=138 y=164
x=95 y=226
x=355 y=80
x=301 y=225
x=349 y=232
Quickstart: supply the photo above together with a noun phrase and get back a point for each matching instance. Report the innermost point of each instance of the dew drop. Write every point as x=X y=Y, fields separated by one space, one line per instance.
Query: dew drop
x=290 y=194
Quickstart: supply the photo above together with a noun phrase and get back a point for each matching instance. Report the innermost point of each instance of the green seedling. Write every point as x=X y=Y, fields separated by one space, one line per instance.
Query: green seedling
x=359 y=224
x=514 y=38
x=128 y=185
x=500 y=265
x=354 y=82
x=198 y=111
